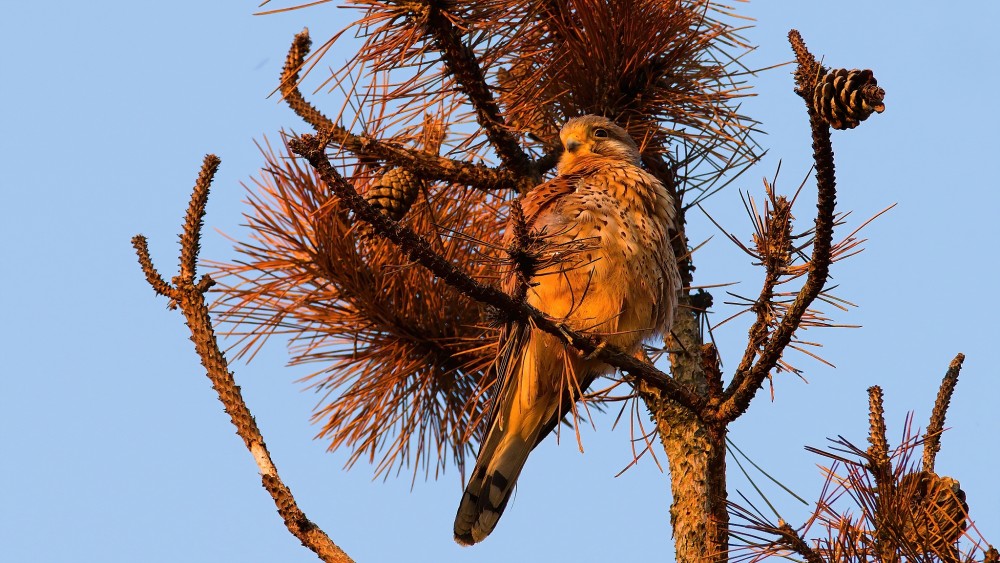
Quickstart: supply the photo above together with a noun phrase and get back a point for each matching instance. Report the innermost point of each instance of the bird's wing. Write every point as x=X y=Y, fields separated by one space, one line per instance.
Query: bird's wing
x=543 y=199
x=536 y=205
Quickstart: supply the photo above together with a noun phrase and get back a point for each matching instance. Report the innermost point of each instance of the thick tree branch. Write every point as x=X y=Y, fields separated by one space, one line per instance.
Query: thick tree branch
x=460 y=61
x=932 y=440
x=746 y=382
x=311 y=148
x=190 y=296
x=424 y=165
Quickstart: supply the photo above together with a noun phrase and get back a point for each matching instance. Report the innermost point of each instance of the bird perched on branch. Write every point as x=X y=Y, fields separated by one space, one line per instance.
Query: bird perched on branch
x=604 y=265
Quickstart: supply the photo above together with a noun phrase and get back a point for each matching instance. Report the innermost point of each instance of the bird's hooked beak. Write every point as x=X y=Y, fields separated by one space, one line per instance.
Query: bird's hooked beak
x=572 y=143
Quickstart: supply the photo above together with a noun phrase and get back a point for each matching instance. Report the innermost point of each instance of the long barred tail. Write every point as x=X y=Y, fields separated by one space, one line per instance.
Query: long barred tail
x=490 y=486
x=514 y=430
x=533 y=401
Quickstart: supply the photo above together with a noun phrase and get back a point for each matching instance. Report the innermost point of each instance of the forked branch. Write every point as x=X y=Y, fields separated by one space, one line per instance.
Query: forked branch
x=748 y=379
x=190 y=297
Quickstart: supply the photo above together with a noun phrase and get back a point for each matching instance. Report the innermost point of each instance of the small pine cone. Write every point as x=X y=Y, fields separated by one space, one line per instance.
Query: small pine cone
x=845 y=98
x=936 y=511
x=394 y=192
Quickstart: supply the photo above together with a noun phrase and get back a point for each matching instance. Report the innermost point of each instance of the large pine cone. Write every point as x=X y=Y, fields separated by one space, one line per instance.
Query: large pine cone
x=394 y=192
x=845 y=98
x=936 y=511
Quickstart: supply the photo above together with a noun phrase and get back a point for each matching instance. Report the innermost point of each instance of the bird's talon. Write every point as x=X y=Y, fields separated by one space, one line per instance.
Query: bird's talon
x=597 y=351
x=565 y=331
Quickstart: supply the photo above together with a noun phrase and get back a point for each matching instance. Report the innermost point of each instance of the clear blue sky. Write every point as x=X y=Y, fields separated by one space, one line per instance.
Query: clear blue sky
x=114 y=447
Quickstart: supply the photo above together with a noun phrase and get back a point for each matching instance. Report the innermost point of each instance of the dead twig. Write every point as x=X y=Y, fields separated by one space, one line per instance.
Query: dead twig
x=932 y=440
x=747 y=381
x=190 y=297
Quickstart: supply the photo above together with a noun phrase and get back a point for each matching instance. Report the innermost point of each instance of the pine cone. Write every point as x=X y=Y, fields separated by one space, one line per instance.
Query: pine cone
x=936 y=511
x=394 y=192
x=845 y=98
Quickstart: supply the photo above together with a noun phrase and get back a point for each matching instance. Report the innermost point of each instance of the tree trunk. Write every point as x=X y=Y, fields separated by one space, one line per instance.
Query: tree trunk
x=696 y=452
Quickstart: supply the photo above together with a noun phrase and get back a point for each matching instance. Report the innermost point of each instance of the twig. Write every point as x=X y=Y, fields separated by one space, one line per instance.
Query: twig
x=290 y=84
x=878 y=449
x=885 y=483
x=311 y=148
x=932 y=439
x=746 y=382
x=775 y=252
x=522 y=255
x=789 y=538
x=423 y=164
x=160 y=286
x=193 y=220
x=190 y=296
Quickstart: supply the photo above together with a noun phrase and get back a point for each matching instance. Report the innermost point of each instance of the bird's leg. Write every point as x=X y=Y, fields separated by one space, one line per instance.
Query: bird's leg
x=596 y=351
x=566 y=331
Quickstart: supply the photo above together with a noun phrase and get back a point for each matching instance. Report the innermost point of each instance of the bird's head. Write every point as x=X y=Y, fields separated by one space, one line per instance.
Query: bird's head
x=593 y=135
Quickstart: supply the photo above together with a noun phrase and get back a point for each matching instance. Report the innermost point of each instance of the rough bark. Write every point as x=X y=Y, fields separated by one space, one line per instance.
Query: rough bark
x=695 y=450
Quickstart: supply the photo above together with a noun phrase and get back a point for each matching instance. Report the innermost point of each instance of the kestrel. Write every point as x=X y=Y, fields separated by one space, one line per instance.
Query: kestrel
x=605 y=267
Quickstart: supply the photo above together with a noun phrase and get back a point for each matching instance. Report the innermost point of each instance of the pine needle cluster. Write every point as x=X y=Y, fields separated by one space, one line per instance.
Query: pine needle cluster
x=877 y=504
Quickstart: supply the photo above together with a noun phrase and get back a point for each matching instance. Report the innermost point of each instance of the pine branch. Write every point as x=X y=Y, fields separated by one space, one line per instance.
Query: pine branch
x=746 y=382
x=417 y=249
x=193 y=220
x=775 y=251
x=425 y=165
x=191 y=299
x=154 y=278
x=789 y=538
x=290 y=84
x=878 y=449
x=460 y=61
x=932 y=440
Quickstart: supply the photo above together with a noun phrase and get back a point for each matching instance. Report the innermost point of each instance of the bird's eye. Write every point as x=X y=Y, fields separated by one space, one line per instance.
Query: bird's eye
x=600 y=133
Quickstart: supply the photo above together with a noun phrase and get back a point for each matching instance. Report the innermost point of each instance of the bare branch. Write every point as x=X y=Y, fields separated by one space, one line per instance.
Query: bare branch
x=160 y=286
x=746 y=382
x=190 y=296
x=290 y=84
x=311 y=148
x=191 y=235
x=878 y=450
x=932 y=440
